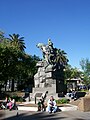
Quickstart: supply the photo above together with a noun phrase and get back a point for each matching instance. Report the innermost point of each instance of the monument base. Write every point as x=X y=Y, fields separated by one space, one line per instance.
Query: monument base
x=49 y=91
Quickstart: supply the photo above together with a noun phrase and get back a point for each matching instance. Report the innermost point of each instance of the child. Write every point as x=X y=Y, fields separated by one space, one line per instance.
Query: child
x=39 y=105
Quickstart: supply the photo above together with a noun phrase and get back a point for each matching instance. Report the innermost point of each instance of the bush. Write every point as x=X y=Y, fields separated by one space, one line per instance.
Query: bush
x=62 y=101
x=18 y=99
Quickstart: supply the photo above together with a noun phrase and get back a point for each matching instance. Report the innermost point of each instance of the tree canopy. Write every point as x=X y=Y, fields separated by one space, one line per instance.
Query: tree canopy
x=15 y=64
x=85 y=65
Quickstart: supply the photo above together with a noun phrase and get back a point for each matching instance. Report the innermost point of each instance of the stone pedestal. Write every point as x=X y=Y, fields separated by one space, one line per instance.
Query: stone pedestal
x=51 y=92
x=48 y=80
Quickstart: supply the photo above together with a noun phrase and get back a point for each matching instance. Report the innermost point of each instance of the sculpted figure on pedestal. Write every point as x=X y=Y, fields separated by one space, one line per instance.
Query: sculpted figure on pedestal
x=53 y=60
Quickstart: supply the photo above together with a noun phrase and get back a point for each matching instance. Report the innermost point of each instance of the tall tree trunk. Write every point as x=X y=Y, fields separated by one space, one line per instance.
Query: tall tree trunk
x=12 y=89
x=6 y=85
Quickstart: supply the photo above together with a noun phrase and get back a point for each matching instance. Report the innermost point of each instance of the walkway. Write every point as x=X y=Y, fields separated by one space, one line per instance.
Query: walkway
x=27 y=115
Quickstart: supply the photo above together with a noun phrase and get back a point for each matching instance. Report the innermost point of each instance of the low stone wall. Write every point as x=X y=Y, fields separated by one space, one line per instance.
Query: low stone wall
x=20 y=94
x=84 y=104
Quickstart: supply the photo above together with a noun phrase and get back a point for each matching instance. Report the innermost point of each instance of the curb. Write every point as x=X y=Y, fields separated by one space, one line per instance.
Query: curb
x=28 y=108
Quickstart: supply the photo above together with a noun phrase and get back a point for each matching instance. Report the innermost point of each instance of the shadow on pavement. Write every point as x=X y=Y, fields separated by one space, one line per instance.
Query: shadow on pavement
x=36 y=116
x=1 y=114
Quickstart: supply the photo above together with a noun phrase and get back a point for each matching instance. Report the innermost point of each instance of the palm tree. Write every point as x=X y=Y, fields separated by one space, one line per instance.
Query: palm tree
x=61 y=57
x=1 y=36
x=16 y=41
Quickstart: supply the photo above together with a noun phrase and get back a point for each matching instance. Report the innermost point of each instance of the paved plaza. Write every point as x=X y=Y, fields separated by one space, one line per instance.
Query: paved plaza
x=28 y=115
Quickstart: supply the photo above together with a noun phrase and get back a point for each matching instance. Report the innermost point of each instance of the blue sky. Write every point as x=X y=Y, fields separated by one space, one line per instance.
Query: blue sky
x=65 y=22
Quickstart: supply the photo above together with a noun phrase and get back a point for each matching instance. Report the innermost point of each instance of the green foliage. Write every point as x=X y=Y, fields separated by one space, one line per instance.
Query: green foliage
x=18 y=99
x=17 y=41
x=60 y=57
x=15 y=64
x=72 y=72
x=62 y=101
x=85 y=64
